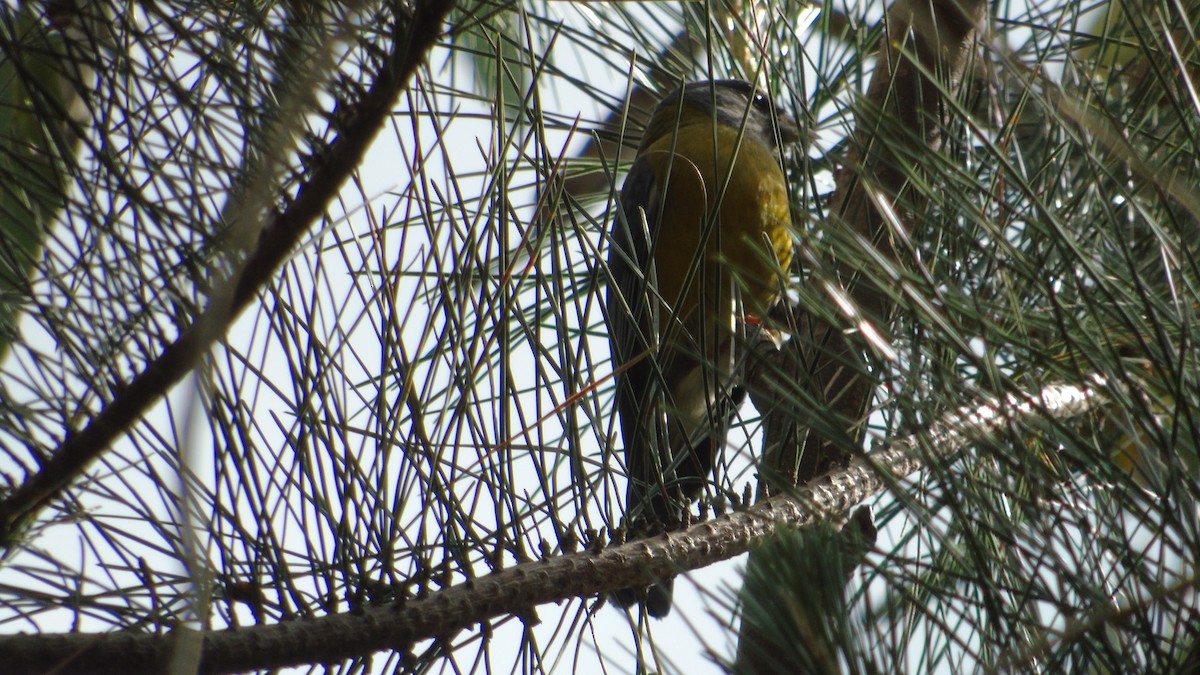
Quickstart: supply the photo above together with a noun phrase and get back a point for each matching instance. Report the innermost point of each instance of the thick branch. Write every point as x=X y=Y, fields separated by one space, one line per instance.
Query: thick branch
x=278 y=237
x=518 y=590
x=902 y=116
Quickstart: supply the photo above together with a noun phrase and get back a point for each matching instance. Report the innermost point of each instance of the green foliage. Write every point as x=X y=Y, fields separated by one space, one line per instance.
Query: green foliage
x=40 y=74
x=420 y=394
x=795 y=615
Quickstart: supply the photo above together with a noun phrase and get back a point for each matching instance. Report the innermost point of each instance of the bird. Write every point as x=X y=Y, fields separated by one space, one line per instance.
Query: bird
x=702 y=240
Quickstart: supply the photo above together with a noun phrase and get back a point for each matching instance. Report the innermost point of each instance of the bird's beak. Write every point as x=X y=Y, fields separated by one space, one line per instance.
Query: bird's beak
x=789 y=132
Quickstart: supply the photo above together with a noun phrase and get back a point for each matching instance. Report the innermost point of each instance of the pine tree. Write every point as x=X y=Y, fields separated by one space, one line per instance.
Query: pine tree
x=303 y=360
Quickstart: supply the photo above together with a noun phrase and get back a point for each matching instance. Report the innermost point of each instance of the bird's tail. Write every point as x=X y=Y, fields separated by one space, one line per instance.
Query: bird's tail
x=659 y=506
x=656 y=598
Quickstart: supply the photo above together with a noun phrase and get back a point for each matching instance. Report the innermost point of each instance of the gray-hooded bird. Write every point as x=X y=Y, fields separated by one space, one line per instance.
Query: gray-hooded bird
x=703 y=240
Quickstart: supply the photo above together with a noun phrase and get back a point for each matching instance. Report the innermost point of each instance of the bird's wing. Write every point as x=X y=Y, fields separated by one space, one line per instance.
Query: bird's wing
x=632 y=307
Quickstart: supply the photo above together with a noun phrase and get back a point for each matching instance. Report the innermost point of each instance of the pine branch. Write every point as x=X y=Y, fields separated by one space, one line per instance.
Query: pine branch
x=519 y=590
x=277 y=237
x=919 y=66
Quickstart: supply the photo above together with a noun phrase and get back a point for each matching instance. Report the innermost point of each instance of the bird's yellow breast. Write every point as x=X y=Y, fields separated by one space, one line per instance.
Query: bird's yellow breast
x=737 y=230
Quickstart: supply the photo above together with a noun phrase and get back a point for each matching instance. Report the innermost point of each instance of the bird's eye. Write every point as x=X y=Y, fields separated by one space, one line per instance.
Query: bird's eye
x=762 y=102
